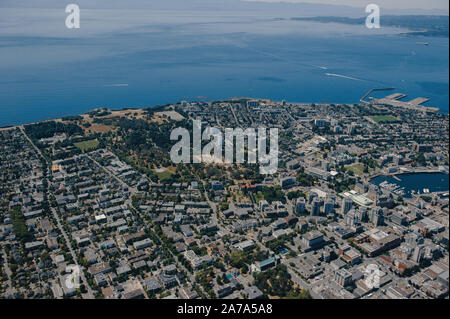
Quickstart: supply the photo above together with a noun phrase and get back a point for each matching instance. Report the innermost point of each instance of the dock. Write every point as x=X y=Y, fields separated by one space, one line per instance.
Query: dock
x=396 y=96
x=414 y=104
x=374 y=90
x=395 y=101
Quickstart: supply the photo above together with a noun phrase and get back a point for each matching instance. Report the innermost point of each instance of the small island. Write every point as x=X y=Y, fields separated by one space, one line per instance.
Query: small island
x=420 y=25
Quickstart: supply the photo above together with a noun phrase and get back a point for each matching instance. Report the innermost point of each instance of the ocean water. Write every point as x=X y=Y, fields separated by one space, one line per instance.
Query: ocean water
x=143 y=58
x=435 y=182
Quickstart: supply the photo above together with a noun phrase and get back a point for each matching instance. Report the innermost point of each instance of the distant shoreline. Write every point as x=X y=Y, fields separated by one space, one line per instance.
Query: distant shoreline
x=155 y=106
x=419 y=25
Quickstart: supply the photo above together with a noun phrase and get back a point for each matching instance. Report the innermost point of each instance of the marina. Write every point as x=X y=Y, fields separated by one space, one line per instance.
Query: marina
x=411 y=184
x=395 y=100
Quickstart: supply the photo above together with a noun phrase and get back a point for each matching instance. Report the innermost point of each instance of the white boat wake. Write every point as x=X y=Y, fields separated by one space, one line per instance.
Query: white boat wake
x=344 y=77
x=116 y=85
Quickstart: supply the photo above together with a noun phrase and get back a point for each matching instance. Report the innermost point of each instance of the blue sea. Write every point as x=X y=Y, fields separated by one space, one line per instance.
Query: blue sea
x=434 y=182
x=142 y=58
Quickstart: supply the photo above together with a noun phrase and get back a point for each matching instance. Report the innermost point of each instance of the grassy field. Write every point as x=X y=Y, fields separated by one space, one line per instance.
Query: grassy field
x=357 y=169
x=258 y=196
x=236 y=195
x=87 y=145
x=164 y=175
x=384 y=118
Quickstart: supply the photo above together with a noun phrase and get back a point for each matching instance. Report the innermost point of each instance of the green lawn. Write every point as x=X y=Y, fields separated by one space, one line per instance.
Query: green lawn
x=87 y=145
x=384 y=118
x=357 y=169
x=164 y=175
x=258 y=196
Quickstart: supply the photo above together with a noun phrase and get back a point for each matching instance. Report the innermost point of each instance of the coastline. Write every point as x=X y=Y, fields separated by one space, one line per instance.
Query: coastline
x=421 y=108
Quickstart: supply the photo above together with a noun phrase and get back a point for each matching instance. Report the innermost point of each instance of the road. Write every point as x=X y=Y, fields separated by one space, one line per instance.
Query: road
x=214 y=219
x=250 y=117
x=133 y=190
x=181 y=266
x=234 y=115
x=31 y=142
x=213 y=206
x=90 y=294
x=11 y=290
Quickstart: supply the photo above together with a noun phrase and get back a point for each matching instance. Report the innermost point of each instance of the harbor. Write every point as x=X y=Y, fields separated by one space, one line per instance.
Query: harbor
x=395 y=100
x=414 y=184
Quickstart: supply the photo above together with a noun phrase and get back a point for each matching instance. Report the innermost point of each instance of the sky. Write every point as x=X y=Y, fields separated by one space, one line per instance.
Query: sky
x=388 y=4
x=227 y=4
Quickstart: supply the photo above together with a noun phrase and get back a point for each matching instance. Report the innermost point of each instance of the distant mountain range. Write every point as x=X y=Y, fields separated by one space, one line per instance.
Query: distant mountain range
x=421 y=25
x=282 y=8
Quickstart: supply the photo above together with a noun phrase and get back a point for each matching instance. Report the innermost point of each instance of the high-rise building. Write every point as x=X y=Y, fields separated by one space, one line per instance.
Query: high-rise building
x=343 y=277
x=346 y=205
x=300 y=206
x=315 y=207
x=414 y=238
x=352 y=129
x=311 y=197
x=418 y=252
x=376 y=216
x=320 y=123
x=398 y=218
x=362 y=214
x=288 y=182
x=329 y=207
x=352 y=219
